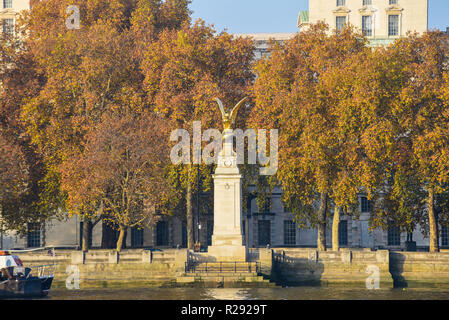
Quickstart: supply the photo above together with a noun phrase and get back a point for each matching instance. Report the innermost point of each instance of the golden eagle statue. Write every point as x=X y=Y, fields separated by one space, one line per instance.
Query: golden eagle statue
x=229 y=118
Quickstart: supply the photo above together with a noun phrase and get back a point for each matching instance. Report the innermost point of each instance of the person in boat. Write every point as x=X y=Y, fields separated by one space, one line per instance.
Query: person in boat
x=6 y=274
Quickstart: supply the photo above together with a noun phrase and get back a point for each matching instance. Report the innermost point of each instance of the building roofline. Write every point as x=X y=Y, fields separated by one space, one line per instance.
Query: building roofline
x=266 y=36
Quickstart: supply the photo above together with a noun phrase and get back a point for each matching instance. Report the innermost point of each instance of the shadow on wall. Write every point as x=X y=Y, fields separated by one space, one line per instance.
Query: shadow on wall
x=419 y=269
x=294 y=271
x=397 y=261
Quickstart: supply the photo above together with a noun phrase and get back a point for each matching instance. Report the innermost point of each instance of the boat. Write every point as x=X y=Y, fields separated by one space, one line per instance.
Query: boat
x=17 y=281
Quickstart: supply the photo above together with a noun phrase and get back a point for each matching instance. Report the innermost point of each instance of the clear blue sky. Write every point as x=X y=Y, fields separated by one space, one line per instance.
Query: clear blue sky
x=252 y=16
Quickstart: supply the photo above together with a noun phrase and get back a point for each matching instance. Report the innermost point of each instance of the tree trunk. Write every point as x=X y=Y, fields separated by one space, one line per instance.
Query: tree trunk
x=1 y=228
x=124 y=238
x=335 y=225
x=121 y=237
x=190 y=222
x=86 y=235
x=433 y=226
x=321 y=243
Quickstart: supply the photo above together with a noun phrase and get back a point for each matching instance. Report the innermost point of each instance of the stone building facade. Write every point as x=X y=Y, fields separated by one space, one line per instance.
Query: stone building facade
x=274 y=226
x=9 y=10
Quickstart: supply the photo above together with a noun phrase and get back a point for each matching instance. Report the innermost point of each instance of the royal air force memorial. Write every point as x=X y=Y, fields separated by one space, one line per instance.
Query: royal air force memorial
x=227 y=238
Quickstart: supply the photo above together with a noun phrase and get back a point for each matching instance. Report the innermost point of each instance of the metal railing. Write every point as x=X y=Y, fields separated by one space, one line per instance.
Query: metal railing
x=253 y=254
x=222 y=266
x=41 y=249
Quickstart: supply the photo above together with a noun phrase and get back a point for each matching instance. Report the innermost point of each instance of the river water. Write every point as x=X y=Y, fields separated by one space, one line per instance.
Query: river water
x=293 y=293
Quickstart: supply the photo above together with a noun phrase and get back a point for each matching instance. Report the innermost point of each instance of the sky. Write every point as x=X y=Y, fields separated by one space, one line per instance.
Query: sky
x=273 y=16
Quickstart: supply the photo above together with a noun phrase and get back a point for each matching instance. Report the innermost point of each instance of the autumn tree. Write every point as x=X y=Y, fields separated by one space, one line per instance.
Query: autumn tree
x=123 y=168
x=185 y=70
x=88 y=72
x=397 y=195
x=370 y=134
x=13 y=182
x=303 y=89
x=84 y=74
x=398 y=94
x=423 y=116
x=21 y=79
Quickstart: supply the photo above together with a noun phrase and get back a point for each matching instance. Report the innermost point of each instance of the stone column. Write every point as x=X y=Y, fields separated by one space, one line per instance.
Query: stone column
x=227 y=238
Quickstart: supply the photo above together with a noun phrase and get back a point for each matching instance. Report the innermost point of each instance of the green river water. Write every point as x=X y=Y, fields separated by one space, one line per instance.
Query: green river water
x=293 y=293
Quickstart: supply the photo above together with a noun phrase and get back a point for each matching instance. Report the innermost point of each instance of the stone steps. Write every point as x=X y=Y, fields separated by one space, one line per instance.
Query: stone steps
x=226 y=280
x=223 y=263
x=242 y=267
x=225 y=277
x=213 y=274
x=163 y=257
x=163 y=260
x=222 y=274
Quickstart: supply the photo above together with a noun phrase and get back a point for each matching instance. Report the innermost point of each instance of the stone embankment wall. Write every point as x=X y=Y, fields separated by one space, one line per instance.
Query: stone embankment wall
x=297 y=266
x=105 y=268
x=285 y=266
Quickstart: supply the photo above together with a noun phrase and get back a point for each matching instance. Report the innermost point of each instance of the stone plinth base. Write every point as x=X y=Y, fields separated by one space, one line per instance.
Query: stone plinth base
x=231 y=239
x=228 y=253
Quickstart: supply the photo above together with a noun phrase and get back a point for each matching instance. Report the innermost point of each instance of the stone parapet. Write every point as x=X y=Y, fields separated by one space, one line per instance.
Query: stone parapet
x=308 y=266
x=294 y=266
x=414 y=269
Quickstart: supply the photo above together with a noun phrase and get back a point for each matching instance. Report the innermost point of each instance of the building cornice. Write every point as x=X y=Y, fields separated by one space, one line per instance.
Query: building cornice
x=394 y=9
x=8 y=11
x=367 y=10
x=341 y=11
x=266 y=36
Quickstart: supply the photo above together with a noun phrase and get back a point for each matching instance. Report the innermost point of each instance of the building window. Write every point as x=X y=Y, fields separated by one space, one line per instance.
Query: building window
x=267 y=207
x=393 y=25
x=393 y=2
x=7 y=4
x=340 y=23
x=162 y=233
x=341 y=3
x=8 y=26
x=394 y=235
x=445 y=236
x=184 y=235
x=34 y=235
x=136 y=237
x=210 y=232
x=343 y=233
x=249 y=199
x=264 y=232
x=289 y=233
x=367 y=25
x=366 y=204
x=367 y=2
